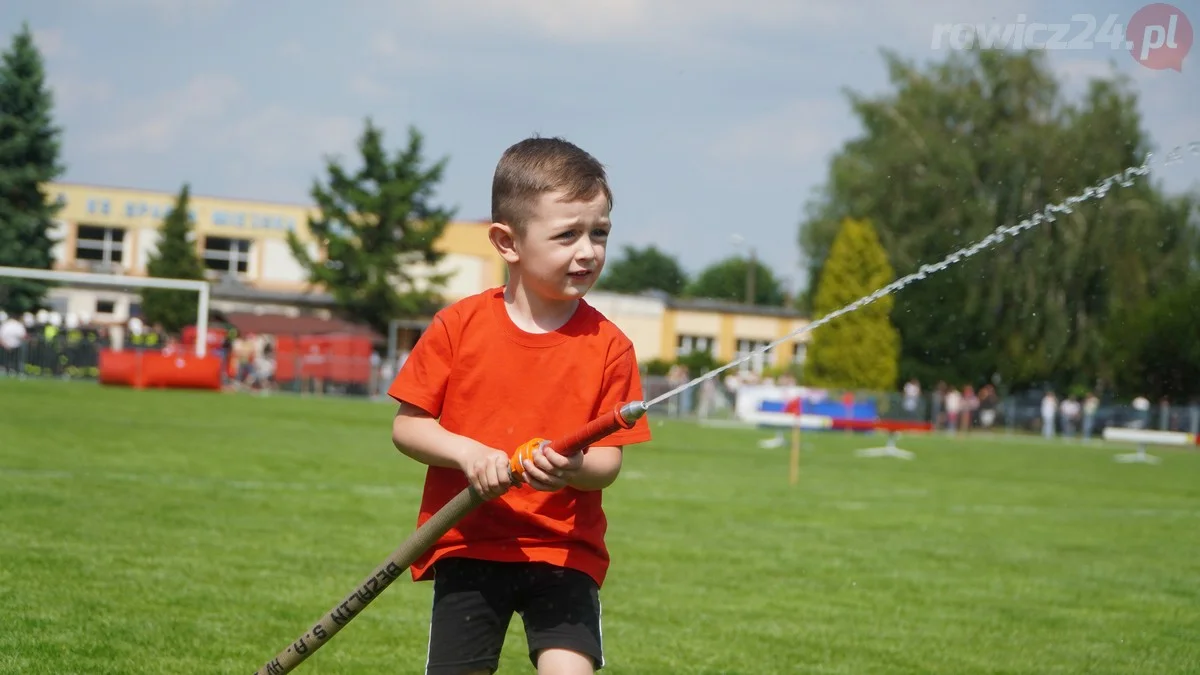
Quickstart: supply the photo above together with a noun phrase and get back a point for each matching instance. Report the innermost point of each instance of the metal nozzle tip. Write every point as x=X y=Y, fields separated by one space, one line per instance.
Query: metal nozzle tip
x=632 y=412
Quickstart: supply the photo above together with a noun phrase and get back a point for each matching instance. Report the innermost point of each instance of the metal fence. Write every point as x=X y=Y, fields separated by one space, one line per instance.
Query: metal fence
x=353 y=371
x=1016 y=413
x=63 y=356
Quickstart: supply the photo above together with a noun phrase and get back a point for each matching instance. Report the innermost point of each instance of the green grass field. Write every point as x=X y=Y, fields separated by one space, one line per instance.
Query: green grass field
x=179 y=532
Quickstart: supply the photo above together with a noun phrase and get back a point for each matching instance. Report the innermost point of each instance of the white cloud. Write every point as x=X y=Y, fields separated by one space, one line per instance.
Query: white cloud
x=292 y=50
x=51 y=43
x=166 y=11
x=78 y=93
x=696 y=27
x=394 y=51
x=157 y=126
x=367 y=86
x=277 y=135
x=799 y=132
x=697 y=24
x=1075 y=74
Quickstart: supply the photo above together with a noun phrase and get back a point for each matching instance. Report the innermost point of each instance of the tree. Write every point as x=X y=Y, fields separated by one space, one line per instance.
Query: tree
x=645 y=269
x=175 y=258
x=29 y=158
x=378 y=227
x=859 y=350
x=727 y=280
x=981 y=140
x=1156 y=345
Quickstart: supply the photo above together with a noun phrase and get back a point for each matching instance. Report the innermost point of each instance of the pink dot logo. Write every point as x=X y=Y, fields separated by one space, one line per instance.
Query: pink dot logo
x=1159 y=36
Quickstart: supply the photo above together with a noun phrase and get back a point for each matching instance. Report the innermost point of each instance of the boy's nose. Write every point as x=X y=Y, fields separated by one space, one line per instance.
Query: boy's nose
x=586 y=251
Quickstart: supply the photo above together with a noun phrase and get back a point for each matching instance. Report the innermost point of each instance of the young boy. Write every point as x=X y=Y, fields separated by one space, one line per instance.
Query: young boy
x=527 y=360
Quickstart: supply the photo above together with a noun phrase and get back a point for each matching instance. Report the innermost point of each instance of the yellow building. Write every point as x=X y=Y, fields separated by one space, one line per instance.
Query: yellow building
x=243 y=245
x=667 y=328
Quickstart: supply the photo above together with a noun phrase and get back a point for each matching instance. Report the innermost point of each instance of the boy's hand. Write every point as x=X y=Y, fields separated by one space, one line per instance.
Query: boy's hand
x=549 y=471
x=487 y=472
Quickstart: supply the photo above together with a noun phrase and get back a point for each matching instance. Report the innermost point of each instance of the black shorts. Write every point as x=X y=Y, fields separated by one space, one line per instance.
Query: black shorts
x=474 y=600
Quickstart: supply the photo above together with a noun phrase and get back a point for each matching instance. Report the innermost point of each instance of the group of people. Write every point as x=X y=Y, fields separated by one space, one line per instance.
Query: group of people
x=955 y=409
x=1071 y=416
x=46 y=343
x=248 y=361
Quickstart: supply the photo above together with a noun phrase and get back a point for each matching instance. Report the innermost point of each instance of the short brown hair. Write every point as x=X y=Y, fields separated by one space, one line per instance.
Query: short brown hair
x=537 y=165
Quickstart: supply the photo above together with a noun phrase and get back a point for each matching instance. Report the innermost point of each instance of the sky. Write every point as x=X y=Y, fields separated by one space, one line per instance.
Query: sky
x=716 y=119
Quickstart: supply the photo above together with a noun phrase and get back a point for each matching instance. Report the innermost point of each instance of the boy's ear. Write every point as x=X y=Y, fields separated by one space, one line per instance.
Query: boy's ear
x=505 y=241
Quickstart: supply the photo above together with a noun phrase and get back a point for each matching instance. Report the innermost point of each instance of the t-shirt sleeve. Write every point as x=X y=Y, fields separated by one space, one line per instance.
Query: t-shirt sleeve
x=622 y=384
x=422 y=380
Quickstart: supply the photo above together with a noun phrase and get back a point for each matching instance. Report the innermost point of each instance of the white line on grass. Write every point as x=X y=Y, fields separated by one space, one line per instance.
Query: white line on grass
x=173 y=480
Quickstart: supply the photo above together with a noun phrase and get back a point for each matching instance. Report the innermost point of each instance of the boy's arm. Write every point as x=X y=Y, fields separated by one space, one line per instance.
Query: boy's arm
x=601 y=465
x=419 y=436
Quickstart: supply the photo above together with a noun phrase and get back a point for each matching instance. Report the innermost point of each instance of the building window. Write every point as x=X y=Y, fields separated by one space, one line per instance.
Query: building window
x=106 y=307
x=746 y=348
x=227 y=255
x=801 y=353
x=105 y=245
x=687 y=344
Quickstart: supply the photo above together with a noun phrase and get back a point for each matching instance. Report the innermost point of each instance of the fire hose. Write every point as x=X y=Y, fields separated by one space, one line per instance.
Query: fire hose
x=621 y=417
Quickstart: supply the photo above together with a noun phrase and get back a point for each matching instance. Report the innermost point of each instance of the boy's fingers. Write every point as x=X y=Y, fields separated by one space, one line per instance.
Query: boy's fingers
x=543 y=480
x=535 y=472
x=501 y=476
x=545 y=486
x=556 y=460
x=545 y=463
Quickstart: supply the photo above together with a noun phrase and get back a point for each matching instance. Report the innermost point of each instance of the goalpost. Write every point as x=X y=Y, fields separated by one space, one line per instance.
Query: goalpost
x=109 y=280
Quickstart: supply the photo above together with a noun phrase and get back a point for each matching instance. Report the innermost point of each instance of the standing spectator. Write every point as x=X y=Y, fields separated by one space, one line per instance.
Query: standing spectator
x=1070 y=415
x=1049 y=410
x=912 y=398
x=953 y=404
x=243 y=359
x=387 y=373
x=1194 y=415
x=1141 y=407
x=939 y=405
x=675 y=377
x=264 y=368
x=970 y=403
x=987 y=406
x=375 y=384
x=313 y=371
x=685 y=396
x=12 y=336
x=1090 y=405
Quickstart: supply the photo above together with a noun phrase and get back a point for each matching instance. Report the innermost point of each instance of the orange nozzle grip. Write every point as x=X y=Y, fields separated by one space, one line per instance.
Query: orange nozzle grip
x=523 y=453
x=572 y=443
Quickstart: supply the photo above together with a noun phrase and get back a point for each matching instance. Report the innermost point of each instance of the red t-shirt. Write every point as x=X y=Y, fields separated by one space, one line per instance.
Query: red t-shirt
x=487 y=379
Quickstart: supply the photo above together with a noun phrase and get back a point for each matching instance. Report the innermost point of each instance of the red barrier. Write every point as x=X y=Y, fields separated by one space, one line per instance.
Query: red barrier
x=120 y=368
x=216 y=338
x=333 y=357
x=880 y=425
x=155 y=369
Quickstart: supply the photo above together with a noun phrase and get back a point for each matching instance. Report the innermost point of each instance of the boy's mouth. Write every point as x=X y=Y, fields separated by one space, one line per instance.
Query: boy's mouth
x=582 y=274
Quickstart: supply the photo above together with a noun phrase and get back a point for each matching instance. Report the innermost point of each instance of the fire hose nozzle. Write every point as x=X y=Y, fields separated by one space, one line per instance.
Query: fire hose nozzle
x=631 y=412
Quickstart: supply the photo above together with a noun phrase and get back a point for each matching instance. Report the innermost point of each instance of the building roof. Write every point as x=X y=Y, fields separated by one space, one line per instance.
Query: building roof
x=280 y=324
x=224 y=290
x=727 y=307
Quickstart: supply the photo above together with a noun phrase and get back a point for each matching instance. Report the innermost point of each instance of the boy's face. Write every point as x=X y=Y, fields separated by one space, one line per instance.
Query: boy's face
x=561 y=251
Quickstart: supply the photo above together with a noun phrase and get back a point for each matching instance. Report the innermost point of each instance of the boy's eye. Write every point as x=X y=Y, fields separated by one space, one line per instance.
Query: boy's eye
x=598 y=232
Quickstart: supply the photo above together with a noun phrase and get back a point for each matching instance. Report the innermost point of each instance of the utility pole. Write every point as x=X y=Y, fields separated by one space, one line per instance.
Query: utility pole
x=751 y=269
